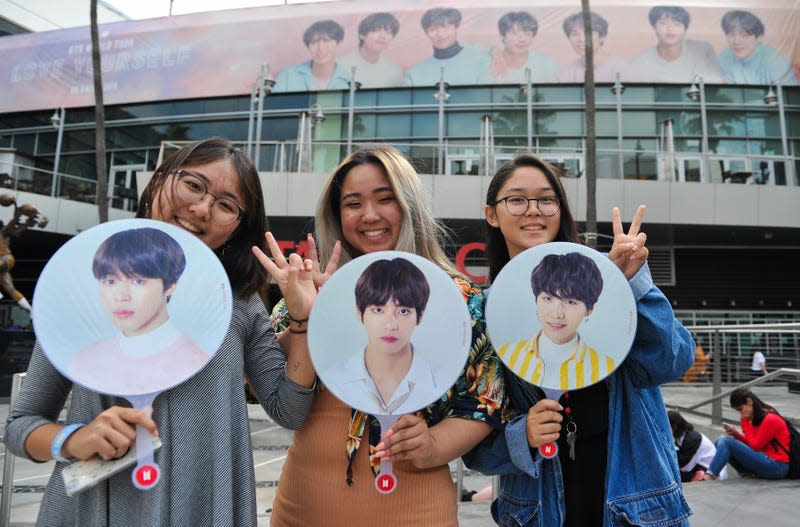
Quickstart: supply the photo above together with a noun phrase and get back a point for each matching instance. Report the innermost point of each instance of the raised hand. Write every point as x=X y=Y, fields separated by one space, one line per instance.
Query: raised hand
x=628 y=251
x=498 y=66
x=110 y=434
x=543 y=424
x=319 y=277
x=293 y=276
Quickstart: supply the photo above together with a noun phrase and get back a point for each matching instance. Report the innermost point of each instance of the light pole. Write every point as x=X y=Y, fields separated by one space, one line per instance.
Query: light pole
x=527 y=88
x=254 y=96
x=694 y=94
x=487 y=145
x=265 y=84
x=354 y=85
x=618 y=89
x=772 y=100
x=441 y=97
x=57 y=120
x=308 y=119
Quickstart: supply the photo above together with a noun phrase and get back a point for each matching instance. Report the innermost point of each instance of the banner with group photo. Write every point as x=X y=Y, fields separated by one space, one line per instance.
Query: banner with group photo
x=315 y=46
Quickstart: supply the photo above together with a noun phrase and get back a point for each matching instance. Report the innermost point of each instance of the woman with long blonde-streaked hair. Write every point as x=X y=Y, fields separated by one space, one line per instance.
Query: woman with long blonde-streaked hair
x=374 y=201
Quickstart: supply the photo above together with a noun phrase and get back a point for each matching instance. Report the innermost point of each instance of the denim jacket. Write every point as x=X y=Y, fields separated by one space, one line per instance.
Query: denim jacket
x=643 y=485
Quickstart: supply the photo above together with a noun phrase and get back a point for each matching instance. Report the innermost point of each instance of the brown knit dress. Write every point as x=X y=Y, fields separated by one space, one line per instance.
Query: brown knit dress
x=313 y=490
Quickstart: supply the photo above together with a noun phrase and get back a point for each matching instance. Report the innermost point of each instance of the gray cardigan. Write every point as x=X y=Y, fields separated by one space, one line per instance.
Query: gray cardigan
x=207 y=474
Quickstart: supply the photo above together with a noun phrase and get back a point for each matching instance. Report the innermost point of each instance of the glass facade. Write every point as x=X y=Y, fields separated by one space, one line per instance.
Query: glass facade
x=480 y=128
x=743 y=130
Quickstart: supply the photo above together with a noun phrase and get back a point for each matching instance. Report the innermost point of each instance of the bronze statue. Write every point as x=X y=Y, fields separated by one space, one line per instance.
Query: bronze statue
x=25 y=216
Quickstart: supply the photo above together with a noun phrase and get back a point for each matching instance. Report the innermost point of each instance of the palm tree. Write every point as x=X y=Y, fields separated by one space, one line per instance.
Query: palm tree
x=591 y=146
x=101 y=197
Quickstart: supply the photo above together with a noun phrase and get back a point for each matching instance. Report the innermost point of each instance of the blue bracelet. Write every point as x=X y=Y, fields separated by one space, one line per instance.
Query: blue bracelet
x=61 y=438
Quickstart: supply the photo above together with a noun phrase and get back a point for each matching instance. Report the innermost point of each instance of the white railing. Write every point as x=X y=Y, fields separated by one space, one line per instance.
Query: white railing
x=474 y=159
x=17 y=177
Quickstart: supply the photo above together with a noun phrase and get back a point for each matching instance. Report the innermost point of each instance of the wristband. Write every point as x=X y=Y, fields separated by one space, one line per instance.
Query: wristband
x=297 y=331
x=299 y=321
x=61 y=438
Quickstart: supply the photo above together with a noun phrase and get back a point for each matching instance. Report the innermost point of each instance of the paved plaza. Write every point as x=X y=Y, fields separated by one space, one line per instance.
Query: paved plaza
x=734 y=502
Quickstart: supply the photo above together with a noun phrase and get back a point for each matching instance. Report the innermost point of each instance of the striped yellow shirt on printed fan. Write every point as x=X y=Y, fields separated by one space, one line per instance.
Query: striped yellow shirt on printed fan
x=583 y=367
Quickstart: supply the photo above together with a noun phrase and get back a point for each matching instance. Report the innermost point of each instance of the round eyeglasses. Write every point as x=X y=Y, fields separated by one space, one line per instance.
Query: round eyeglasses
x=519 y=205
x=192 y=188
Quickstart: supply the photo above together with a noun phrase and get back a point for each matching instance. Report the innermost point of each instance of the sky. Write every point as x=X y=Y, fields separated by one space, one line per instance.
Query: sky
x=47 y=15
x=138 y=9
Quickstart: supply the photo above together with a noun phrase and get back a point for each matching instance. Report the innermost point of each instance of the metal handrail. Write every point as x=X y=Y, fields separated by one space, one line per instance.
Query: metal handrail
x=717 y=397
x=716 y=348
x=778 y=327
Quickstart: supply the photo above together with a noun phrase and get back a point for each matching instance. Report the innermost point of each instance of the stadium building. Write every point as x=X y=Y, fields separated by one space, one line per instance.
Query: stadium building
x=708 y=139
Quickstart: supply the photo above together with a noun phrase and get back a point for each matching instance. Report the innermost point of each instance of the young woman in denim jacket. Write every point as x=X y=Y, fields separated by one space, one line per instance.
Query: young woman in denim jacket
x=624 y=471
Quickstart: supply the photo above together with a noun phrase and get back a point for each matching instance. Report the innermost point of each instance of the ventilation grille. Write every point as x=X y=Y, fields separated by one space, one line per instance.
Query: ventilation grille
x=662 y=265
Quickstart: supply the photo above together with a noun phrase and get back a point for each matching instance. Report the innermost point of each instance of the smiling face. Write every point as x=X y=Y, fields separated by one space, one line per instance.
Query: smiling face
x=221 y=180
x=670 y=32
x=135 y=305
x=377 y=40
x=742 y=43
x=577 y=40
x=518 y=40
x=560 y=317
x=532 y=228
x=442 y=36
x=370 y=214
x=322 y=49
x=389 y=327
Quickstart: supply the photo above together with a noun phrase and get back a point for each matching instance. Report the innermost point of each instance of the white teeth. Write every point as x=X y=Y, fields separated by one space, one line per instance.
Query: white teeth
x=373 y=234
x=188 y=226
x=531 y=228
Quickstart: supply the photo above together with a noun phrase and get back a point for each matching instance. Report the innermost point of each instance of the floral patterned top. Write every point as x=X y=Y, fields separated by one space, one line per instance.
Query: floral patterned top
x=478 y=393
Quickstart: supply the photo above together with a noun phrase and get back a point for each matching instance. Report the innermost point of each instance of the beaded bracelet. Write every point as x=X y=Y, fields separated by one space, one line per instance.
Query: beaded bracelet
x=61 y=438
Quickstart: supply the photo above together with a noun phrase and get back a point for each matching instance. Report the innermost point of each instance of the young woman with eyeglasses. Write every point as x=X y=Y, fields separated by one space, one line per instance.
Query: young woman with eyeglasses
x=623 y=470
x=210 y=189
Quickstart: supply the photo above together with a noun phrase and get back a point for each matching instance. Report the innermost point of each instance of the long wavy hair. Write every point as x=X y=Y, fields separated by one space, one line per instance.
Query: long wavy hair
x=420 y=232
x=244 y=272
x=496 y=248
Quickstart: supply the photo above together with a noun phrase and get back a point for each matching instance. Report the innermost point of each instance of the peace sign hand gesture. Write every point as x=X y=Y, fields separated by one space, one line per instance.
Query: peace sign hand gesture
x=295 y=278
x=319 y=277
x=628 y=251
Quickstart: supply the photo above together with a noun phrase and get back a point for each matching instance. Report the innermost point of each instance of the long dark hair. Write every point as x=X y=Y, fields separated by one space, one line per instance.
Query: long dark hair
x=678 y=423
x=739 y=397
x=496 y=248
x=243 y=270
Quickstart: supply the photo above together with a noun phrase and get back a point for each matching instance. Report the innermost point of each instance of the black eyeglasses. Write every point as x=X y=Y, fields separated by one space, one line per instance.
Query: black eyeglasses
x=192 y=188
x=519 y=205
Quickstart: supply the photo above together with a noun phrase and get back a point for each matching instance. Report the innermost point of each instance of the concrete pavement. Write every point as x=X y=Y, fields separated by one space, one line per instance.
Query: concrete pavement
x=733 y=502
